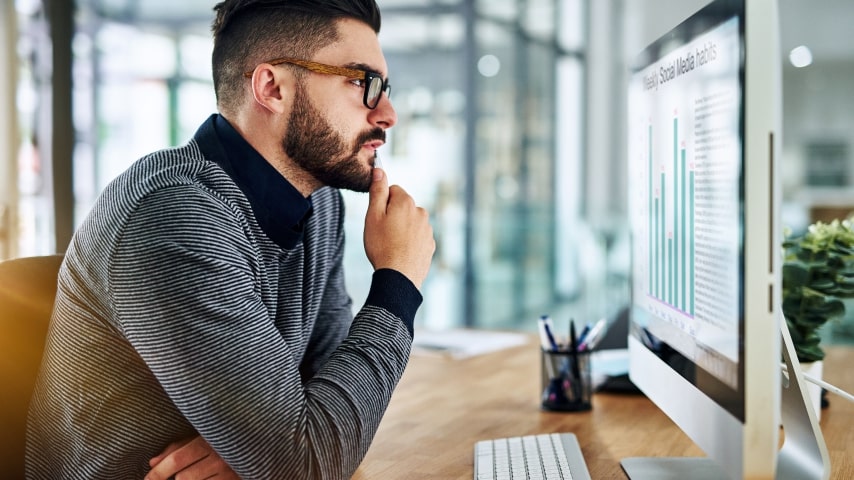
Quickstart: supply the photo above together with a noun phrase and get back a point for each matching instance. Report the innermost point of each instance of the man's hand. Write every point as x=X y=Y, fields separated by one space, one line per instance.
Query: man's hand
x=398 y=234
x=189 y=459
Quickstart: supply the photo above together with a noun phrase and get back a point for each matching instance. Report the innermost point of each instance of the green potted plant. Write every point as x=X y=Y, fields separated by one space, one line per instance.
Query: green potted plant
x=818 y=272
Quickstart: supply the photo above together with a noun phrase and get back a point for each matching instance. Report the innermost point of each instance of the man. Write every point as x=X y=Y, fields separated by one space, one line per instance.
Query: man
x=201 y=316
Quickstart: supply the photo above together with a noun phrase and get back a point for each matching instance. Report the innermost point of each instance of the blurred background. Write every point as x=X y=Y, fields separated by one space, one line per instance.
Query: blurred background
x=511 y=132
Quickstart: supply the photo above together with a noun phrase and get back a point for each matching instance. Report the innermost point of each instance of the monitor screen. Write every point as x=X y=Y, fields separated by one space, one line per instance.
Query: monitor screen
x=704 y=341
x=686 y=208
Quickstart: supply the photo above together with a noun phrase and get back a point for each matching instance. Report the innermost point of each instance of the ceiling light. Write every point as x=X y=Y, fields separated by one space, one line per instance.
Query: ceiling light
x=800 y=56
x=489 y=65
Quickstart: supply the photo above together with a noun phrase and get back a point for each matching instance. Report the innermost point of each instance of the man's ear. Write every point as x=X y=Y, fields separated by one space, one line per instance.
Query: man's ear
x=272 y=88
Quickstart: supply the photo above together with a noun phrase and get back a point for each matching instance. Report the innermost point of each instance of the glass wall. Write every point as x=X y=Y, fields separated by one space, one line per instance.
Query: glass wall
x=30 y=218
x=139 y=86
x=513 y=210
x=476 y=144
x=423 y=45
x=818 y=125
x=135 y=84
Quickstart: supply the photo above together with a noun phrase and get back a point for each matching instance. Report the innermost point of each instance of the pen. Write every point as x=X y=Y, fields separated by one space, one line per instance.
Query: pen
x=549 y=335
x=592 y=337
x=544 y=336
x=573 y=340
x=576 y=369
x=583 y=334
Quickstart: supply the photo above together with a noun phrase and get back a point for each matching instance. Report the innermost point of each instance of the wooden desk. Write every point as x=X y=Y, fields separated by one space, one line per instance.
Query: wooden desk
x=443 y=406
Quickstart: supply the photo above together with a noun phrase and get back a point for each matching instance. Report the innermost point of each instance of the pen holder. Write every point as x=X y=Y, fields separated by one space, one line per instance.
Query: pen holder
x=566 y=383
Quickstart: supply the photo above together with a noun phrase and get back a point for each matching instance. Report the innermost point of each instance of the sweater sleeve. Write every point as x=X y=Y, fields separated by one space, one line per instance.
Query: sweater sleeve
x=199 y=321
x=390 y=291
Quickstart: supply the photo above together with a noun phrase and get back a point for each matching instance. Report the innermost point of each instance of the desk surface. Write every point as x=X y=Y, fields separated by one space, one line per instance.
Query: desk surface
x=443 y=406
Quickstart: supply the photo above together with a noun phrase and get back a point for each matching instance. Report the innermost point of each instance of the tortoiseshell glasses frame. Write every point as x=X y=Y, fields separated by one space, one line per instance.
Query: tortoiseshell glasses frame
x=374 y=84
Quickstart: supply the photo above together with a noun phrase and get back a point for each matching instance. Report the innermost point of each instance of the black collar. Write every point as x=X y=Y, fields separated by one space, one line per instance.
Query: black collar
x=280 y=209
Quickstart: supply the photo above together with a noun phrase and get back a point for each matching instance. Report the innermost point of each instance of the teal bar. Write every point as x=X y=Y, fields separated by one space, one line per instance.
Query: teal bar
x=651 y=219
x=662 y=232
x=670 y=282
x=674 y=272
x=685 y=280
x=657 y=292
x=691 y=257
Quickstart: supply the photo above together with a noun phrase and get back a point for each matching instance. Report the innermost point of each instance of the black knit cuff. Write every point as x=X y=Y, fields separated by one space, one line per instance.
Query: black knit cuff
x=394 y=292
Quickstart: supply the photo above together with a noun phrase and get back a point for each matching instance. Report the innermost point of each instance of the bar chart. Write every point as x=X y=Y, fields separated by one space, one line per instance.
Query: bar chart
x=688 y=158
x=671 y=247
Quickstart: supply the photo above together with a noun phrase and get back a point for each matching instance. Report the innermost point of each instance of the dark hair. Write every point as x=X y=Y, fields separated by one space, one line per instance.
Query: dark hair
x=248 y=32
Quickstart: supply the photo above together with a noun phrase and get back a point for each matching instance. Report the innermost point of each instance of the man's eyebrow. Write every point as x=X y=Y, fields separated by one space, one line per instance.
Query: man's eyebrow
x=364 y=66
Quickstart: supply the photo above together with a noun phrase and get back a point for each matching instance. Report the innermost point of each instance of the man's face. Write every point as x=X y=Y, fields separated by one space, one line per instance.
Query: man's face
x=330 y=157
x=331 y=134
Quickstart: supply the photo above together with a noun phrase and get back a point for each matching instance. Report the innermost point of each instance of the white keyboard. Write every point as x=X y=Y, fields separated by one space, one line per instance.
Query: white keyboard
x=550 y=456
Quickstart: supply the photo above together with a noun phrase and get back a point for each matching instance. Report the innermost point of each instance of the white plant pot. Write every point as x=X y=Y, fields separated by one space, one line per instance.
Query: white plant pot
x=814 y=369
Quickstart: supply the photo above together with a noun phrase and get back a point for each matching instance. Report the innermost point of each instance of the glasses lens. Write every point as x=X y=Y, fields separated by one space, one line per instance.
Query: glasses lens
x=375 y=87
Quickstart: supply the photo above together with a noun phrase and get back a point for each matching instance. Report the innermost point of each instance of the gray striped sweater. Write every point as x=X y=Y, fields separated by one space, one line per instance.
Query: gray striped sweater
x=176 y=315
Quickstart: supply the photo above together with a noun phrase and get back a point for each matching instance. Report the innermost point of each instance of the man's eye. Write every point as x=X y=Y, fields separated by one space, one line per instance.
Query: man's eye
x=359 y=82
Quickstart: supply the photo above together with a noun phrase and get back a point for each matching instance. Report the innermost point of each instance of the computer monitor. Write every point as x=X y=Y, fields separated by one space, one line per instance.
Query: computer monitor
x=703 y=134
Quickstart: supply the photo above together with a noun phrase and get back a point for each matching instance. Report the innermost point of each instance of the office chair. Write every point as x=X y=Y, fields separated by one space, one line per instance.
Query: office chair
x=27 y=291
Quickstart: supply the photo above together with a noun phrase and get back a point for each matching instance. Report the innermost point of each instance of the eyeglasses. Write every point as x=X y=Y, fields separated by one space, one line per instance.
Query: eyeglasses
x=373 y=83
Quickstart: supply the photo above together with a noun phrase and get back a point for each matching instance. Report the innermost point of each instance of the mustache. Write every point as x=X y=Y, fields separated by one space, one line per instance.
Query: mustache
x=373 y=134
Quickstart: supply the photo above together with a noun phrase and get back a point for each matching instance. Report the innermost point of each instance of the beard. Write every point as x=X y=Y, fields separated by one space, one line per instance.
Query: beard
x=314 y=146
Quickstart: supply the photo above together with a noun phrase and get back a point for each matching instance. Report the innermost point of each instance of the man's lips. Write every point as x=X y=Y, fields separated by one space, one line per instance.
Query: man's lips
x=373 y=145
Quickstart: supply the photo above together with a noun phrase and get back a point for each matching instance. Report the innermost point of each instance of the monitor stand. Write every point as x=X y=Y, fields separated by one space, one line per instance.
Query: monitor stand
x=804 y=453
x=802 y=457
